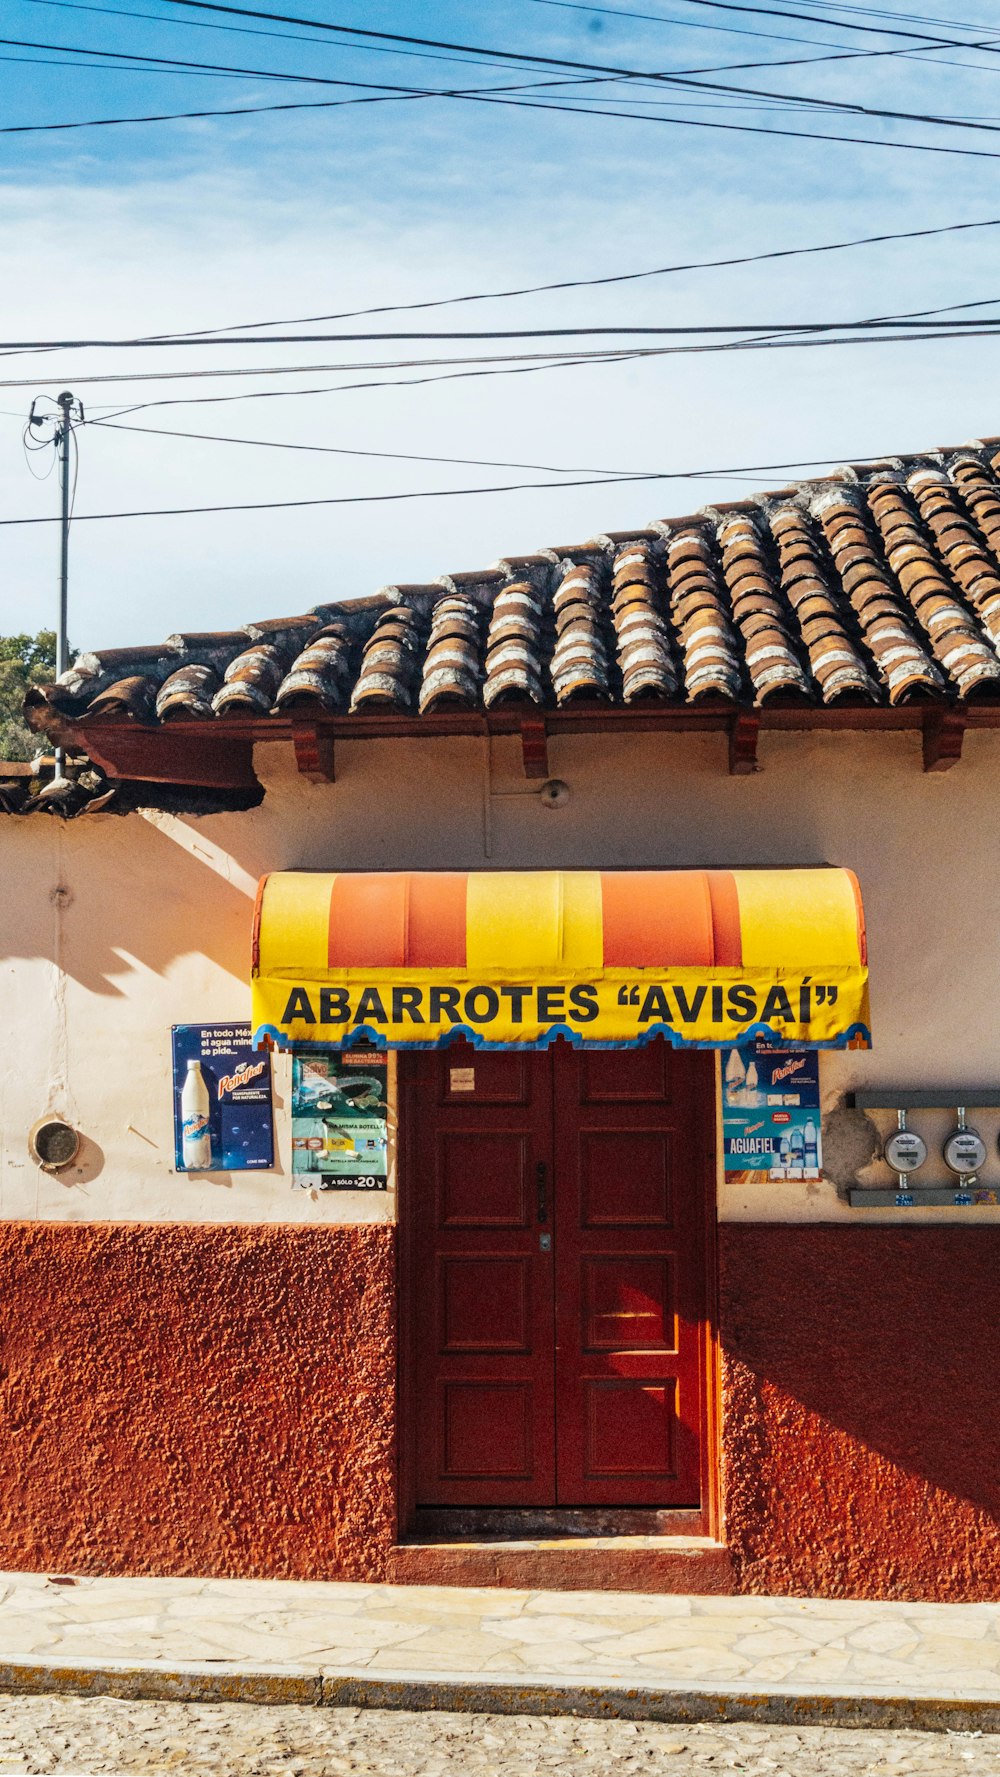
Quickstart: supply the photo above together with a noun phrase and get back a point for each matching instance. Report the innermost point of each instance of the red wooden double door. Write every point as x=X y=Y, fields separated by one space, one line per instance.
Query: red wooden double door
x=557 y=1275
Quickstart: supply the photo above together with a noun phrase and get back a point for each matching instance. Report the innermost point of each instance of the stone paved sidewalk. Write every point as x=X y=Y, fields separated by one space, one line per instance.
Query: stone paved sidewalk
x=307 y=1641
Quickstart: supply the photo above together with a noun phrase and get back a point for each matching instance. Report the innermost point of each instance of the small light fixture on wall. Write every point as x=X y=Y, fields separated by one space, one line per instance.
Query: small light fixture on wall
x=554 y=793
x=53 y=1143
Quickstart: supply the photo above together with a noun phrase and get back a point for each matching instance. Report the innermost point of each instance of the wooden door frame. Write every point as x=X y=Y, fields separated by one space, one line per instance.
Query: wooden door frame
x=706 y=1093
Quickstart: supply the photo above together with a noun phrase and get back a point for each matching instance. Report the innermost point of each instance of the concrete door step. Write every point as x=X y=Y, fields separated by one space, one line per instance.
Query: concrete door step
x=693 y=1564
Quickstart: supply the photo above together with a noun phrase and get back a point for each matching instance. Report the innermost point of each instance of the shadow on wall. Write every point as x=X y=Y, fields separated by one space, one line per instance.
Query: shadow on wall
x=860 y=1408
x=126 y=898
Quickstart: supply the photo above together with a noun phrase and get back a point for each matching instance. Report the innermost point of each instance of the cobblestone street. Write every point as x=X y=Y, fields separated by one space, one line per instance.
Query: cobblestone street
x=102 y=1735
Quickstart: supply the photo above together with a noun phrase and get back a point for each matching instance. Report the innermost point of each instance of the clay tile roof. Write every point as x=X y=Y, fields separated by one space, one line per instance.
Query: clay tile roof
x=877 y=584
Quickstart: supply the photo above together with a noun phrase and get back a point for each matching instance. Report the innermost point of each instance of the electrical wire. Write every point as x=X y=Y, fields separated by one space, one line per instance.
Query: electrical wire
x=488 y=97
x=176 y=63
x=740 y=470
x=116 y=68
x=772 y=329
x=478 y=49
x=660 y=271
x=757 y=12
x=401 y=456
x=563 y=63
x=119 y=62
x=687 y=24
x=736 y=31
x=412 y=382
x=745 y=129
x=680 y=78
x=511 y=362
x=289 y=36
x=421 y=494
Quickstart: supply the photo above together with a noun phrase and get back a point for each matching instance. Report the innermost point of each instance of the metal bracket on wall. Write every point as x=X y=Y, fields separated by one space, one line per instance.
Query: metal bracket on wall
x=931 y=1196
x=932 y=1098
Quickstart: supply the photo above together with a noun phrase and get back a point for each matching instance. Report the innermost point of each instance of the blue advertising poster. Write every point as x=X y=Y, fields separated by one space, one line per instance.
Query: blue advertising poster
x=340 y=1121
x=770 y=1114
x=222 y=1099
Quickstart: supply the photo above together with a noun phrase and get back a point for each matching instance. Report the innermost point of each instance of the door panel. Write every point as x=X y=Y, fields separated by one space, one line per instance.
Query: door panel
x=629 y=1431
x=485 y=1431
x=482 y=1177
x=628 y=1298
x=624 y=1176
x=484 y=1303
x=629 y=1166
x=482 y=1289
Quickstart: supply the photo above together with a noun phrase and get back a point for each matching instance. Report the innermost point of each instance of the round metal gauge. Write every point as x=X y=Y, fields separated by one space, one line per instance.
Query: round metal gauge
x=964 y=1151
x=904 y=1150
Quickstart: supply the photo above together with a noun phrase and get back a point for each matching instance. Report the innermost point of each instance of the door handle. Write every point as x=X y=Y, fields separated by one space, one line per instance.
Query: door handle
x=541 y=1184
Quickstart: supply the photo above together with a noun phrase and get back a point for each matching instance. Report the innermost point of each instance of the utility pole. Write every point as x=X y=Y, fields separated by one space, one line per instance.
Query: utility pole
x=67 y=404
x=70 y=410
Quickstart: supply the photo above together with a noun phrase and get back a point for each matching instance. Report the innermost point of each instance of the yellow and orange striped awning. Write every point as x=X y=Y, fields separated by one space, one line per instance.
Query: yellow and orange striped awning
x=511 y=959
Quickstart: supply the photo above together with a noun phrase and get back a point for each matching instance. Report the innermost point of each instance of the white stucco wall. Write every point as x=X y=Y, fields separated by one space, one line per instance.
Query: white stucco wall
x=112 y=929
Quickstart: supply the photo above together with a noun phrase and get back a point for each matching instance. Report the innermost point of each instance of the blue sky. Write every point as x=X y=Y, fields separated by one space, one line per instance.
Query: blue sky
x=171 y=226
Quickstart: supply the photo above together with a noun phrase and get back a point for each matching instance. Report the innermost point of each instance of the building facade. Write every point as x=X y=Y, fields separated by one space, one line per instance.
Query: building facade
x=585 y=1335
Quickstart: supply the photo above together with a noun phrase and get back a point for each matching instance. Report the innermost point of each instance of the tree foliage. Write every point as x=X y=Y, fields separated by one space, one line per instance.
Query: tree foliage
x=24 y=661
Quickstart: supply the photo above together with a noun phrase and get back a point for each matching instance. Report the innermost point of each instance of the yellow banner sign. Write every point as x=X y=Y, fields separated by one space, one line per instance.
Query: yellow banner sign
x=411 y=1010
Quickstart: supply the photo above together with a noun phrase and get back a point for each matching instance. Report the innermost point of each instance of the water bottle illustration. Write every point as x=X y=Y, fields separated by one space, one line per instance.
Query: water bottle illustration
x=810 y=1146
x=797 y=1147
x=736 y=1074
x=784 y=1158
x=753 y=1095
x=196 y=1106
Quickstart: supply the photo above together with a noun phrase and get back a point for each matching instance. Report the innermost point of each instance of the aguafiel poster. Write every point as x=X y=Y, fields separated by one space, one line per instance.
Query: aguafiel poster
x=222 y=1099
x=770 y=1114
x=340 y=1121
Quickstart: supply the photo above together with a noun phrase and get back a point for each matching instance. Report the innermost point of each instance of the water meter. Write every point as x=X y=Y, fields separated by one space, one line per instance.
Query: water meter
x=965 y=1149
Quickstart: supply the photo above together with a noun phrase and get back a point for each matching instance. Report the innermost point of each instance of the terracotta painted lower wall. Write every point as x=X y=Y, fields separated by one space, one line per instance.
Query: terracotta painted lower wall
x=861 y=1410
x=197 y=1400
x=221 y=1400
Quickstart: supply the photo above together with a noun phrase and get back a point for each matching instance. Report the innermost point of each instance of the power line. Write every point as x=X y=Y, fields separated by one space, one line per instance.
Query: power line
x=401 y=456
x=116 y=68
x=414 y=382
x=737 y=31
x=784 y=100
x=910 y=18
x=549 y=61
x=678 y=77
x=479 y=49
x=176 y=62
x=819 y=19
x=291 y=37
x=697 y=329
x=215 y=70
x=383 y=88
x=431 y=493
x=761 y=12
x=985 y=329
x=660 y=271
x=744 y=129
x=489 y=96
x=410 y=382
x=687 y=24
